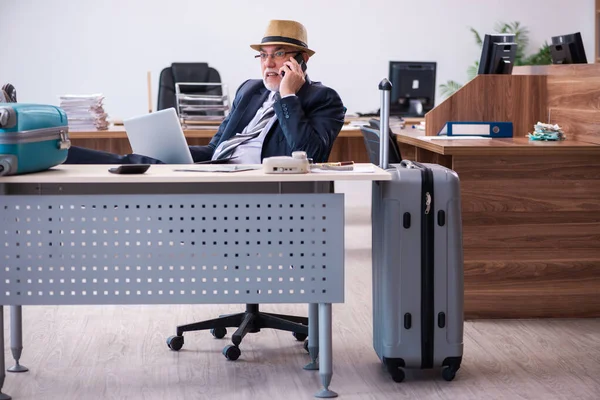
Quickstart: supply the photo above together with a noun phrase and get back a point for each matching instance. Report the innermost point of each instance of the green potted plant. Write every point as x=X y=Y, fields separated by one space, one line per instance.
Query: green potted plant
x=541 y=57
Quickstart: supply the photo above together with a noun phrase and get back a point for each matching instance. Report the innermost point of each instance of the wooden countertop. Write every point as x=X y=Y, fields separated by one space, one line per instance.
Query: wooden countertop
x=414 y=137
x=494 y=147
x=165 y=173
x=118 y=132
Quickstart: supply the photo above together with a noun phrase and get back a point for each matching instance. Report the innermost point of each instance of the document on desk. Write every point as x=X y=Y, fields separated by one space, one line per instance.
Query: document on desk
x=453 y=138
x=366 y=169
x=219 y=168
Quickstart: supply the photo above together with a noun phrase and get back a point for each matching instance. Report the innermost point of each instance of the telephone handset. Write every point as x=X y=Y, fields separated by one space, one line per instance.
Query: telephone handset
x=300 y=61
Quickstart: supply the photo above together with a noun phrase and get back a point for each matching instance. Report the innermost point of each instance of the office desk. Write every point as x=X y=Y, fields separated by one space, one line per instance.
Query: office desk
x=115 y=140
x=531 y=223
x=78 y=234
x=349 y=144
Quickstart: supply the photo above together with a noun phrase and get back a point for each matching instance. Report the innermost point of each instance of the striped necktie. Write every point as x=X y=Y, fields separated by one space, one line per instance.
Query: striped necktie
x=247 y=134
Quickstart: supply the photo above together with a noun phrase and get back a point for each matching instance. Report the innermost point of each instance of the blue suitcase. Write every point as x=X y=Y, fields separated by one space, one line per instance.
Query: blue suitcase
x=33 y=137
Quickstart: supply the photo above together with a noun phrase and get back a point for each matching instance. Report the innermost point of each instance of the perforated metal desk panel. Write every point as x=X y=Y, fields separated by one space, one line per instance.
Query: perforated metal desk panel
x=185 y=248
x=80 y=235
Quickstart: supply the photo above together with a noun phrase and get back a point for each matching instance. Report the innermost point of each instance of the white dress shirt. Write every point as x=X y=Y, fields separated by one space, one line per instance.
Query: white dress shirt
x=249 y=152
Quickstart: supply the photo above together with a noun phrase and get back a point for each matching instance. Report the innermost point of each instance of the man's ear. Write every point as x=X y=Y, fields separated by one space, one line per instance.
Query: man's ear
x=305 y=57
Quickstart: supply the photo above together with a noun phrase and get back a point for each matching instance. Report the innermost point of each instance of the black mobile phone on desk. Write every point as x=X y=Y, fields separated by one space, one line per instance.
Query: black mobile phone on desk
x=129 y=169
x=298 y=57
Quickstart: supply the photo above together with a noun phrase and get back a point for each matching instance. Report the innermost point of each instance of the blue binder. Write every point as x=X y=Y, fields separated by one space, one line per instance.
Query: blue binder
x=483 y=129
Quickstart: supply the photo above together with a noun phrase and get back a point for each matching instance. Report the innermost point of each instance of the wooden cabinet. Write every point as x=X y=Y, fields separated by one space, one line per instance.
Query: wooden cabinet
x=597 y=38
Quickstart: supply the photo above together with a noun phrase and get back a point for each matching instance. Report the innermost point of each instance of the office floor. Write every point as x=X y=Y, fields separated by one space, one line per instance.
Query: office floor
x=120 y=352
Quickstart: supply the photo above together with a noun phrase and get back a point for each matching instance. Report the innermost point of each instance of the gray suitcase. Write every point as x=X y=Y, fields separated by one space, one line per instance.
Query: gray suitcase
x=417 y=265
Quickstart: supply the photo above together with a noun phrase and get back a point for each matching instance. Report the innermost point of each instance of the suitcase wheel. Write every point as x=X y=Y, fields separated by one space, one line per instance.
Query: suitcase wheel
x=396 y=372
x=397 y=375
x=449 y=373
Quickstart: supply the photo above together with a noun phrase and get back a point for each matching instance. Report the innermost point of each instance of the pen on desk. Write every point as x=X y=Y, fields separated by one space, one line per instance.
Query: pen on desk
x=338 y=164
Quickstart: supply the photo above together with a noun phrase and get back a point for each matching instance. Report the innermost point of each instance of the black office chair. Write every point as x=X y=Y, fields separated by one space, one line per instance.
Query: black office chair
x=188 y=72
x=371 y=137
x=252 y=320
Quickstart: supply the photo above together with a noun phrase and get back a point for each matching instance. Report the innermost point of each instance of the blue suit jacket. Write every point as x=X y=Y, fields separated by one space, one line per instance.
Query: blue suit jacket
x=309 y=121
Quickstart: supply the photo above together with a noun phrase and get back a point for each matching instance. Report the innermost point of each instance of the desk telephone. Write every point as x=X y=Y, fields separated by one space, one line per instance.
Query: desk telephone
x=296 y=164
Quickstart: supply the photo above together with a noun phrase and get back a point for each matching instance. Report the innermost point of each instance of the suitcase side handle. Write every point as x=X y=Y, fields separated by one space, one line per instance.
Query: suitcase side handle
x=407 y=164
x=8 y=117
x=385 y=86
x=412 y=164
x=3 y=117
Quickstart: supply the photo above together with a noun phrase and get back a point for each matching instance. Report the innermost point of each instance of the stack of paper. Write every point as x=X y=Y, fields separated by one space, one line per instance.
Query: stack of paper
x=84 y=112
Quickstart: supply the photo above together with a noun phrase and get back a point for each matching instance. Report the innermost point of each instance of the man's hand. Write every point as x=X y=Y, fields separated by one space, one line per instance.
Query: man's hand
x=293 y=79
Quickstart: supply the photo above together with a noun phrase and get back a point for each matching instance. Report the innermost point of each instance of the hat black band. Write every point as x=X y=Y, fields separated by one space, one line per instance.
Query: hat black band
x=283 y=39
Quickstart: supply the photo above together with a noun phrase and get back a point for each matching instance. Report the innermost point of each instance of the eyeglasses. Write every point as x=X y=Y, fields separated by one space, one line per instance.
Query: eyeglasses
x=278 y=55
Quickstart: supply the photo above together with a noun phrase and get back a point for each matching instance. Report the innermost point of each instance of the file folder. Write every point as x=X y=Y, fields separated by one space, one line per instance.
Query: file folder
x=484 y=129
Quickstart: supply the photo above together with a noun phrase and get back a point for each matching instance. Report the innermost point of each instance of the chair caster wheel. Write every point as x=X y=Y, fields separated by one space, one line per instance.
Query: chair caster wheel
x=175 y=342
x=218 y=333
x=305 y=345
x=448 y=374
x=232 y=352
x=299 y=336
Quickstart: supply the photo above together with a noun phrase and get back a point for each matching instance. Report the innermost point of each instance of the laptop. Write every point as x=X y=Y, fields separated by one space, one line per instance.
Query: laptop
x=159 y=135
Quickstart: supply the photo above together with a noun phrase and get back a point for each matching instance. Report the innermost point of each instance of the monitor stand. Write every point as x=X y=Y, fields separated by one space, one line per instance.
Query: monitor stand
x=411 y=108
x=415 y=108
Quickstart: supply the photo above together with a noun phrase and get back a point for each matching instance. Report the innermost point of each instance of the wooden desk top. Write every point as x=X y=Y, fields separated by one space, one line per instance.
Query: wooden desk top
x=407 y=120
x=118 y=132
x=164 y=173
x=489 y=147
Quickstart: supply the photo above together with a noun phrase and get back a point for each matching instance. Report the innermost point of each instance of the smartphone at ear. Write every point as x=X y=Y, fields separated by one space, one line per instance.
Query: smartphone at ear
x=298 y=57
x=300 y=60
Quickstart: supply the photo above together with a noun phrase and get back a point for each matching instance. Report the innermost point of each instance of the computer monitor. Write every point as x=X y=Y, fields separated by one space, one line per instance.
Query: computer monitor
x=413 y=88
x=497 y=54
x=568 y=49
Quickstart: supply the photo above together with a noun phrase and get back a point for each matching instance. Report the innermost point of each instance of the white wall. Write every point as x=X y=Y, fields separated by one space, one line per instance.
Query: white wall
x=53 y=47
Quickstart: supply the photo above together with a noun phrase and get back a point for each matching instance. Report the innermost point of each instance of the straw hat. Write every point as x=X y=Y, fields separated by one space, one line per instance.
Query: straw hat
x=285 y=33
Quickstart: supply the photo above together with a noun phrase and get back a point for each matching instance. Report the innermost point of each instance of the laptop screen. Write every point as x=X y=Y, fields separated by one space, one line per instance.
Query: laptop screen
x=159 y=135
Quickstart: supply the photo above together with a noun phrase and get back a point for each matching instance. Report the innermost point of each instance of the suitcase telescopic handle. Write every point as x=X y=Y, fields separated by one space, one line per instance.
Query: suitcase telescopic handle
x=385 y=87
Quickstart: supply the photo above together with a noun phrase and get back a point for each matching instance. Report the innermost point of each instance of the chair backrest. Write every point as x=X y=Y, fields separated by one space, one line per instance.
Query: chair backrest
x=371 y=137
x=186 y=72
